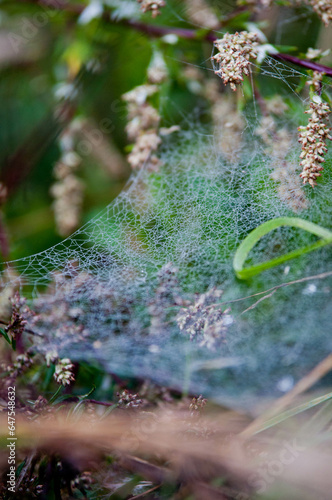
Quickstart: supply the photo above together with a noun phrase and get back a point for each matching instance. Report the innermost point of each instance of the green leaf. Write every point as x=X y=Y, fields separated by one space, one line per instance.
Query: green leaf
x=254 y=236
x=20 y=467
x=286 y=49
x=85 y=396
x=5 y=336
x=52 y=399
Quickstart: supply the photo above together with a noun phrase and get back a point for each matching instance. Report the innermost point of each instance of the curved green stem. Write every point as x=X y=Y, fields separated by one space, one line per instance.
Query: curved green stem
x=250 y=241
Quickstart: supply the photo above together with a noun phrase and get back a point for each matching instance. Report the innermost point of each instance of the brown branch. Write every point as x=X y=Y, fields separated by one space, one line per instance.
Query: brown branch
x=304 y=63
x=188 y=34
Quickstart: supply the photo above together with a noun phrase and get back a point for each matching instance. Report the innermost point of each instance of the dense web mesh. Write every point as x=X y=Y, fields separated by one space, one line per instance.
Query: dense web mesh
x=112 y=293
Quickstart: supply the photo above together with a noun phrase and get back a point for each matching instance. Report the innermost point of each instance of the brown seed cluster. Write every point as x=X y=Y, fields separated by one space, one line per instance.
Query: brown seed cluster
x=197 y=404
x=153 y=5
x=313 y=138
x=19 y=317
x=129 y=400
x=199 y=12
x=205 y=320
x=323 y=9
x=68 y=189
x=234 y=52
x=143 y=126
x=21 y=364
x=316 y=81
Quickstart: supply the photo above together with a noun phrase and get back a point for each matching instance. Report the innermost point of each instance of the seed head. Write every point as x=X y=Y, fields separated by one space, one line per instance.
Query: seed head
x=205 y=320
x=313 y=138
x=323 y=9
x=153 y=5
x=234 y=52
x=128 y=400
x=64 y=372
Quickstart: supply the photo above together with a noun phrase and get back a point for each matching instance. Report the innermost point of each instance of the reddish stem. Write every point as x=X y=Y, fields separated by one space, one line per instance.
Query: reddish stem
x=189 y=34
x=305 y=63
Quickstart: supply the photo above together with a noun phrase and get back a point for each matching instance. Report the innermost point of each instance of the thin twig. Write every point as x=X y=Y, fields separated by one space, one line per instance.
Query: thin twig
x=142 y=495
x=258 y=301
x=152 y=472
x=274 y=288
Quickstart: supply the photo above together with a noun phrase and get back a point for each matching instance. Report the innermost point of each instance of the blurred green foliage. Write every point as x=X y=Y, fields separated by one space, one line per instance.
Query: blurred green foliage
x=42 y=48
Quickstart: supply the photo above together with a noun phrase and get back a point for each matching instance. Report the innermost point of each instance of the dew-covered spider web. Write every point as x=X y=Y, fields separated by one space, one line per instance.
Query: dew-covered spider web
x=147 y=288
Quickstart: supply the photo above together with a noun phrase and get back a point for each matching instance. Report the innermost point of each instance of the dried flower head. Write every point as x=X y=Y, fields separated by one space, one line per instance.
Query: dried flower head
x=205 y=320
x=64 y=372
x=157 y=70
x=199 y=12
x=67 y=205
x=142 y=151
x=51 y=357
x=323 y=9
x=234 y=52
x=142 y=127
x=128 y=400
x=140 y=94
x=68 y=190
x=153 y=5
x=83 y=481
x=197 y=404
x=40 y=404
x=141 y=118
x=144 y=119
x=22 y=363
x=20 y=314
x=313 y=53
x=313 y=138
x=316 y=81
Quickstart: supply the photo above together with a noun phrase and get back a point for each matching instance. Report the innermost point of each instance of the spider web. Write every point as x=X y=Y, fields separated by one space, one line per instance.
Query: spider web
x=111 y=293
